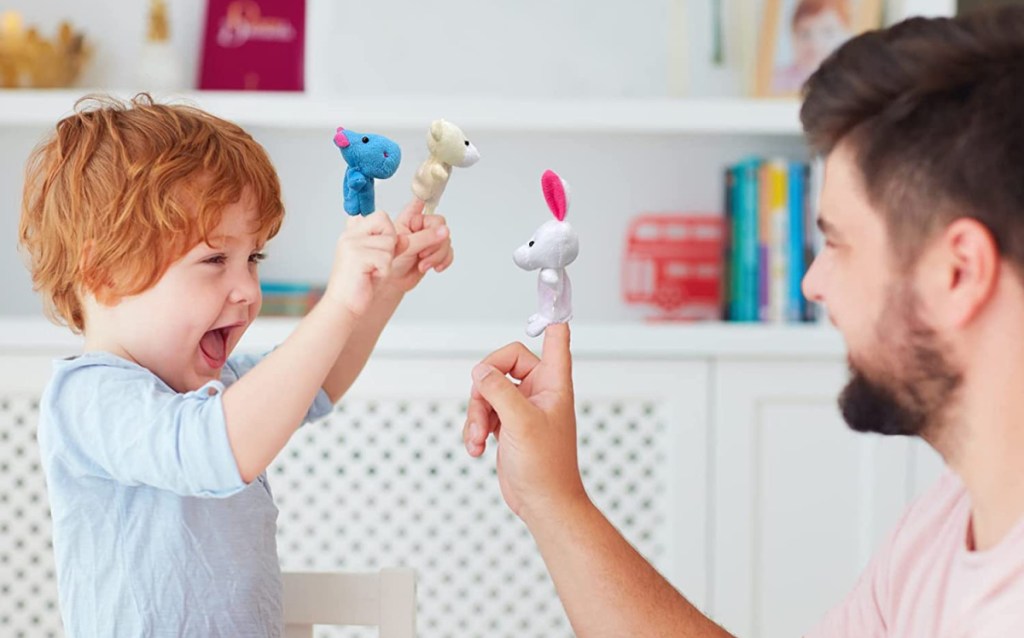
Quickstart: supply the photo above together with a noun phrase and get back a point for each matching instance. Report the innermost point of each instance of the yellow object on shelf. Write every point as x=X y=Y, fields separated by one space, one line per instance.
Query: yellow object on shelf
x=28 y=60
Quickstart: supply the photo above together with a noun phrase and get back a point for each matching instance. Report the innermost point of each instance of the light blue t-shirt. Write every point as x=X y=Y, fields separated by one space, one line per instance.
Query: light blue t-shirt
x=154 y=531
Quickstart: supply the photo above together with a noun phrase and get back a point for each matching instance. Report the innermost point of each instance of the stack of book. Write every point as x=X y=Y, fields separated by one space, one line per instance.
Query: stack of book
x=771 y=238
x=288 y=299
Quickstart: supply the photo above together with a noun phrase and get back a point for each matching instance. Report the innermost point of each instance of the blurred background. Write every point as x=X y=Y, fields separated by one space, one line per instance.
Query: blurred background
x=706 y=385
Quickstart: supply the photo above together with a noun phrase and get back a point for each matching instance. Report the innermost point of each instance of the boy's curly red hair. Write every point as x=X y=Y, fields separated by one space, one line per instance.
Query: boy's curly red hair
x=121 y=190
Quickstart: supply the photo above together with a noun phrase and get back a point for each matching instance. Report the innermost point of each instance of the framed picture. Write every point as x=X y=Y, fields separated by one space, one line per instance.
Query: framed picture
x=797 y=35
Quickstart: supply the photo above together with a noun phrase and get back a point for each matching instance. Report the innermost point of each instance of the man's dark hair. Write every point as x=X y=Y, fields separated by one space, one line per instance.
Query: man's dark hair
x=933 y=110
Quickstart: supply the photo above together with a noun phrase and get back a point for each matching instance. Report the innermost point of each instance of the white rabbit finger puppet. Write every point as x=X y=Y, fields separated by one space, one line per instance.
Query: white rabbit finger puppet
x=448 y=147
x=553 y=247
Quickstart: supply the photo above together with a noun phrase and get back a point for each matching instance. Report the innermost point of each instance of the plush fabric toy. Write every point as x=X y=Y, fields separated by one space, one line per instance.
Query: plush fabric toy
x=368 y=157
x=553 y=247
x=448 y=147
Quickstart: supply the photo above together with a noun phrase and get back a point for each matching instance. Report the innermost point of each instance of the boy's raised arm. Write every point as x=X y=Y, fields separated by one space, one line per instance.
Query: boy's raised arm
x=423 y=243
x=264 y=407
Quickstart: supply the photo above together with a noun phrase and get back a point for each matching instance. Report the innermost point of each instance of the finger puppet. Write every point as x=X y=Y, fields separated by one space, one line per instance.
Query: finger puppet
x=553 y=247
x=369 y=157
x=448 y=147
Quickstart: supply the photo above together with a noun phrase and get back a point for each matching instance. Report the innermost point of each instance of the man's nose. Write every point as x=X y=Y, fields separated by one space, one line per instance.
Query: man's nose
x=811 y=284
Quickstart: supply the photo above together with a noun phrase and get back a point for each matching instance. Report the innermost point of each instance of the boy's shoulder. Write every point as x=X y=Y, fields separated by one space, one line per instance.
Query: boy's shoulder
x=93 y=368
x=95 y=365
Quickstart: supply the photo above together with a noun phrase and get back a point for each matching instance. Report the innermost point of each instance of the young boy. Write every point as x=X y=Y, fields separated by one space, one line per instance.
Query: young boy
x=144 y=224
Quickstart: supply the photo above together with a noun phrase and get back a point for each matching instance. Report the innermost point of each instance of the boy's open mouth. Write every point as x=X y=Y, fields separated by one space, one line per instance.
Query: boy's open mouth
x=214 y=346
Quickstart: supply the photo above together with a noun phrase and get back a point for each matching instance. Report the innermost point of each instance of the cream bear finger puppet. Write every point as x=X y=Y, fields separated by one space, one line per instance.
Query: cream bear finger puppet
x=369 y=157
x=448 y=147
x=553 y=247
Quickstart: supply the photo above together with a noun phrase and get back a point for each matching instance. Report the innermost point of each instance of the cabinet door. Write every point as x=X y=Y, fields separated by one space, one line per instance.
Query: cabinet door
x=800 y=502
x=385 y=481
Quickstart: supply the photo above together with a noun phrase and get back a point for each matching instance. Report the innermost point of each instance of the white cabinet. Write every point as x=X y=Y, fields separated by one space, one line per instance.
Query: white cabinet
x=718 y=451
x=800 y=501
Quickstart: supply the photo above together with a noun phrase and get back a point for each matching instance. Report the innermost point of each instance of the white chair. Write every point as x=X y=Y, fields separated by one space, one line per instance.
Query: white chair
x=385 y=599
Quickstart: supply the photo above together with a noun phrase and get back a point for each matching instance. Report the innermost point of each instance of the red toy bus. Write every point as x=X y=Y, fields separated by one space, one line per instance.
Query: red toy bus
x=674 y=262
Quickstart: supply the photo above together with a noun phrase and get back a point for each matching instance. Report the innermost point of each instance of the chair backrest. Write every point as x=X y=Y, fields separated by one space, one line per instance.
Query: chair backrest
x=385 y=599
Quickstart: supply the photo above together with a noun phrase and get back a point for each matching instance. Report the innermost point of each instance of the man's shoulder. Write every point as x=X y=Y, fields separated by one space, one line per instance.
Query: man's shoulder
x=937 y=514
x=944 y=495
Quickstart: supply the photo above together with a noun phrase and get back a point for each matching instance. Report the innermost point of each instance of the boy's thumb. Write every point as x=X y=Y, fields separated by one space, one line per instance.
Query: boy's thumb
x=501 y=393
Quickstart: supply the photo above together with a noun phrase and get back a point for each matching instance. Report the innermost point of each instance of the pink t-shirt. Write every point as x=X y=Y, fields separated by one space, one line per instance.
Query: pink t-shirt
x=924 y=582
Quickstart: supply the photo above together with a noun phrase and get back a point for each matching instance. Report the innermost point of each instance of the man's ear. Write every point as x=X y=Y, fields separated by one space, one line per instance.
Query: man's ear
x=968 y=270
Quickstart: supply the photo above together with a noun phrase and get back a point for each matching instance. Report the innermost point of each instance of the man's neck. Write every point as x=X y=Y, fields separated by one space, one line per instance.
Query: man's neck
x=985 y=445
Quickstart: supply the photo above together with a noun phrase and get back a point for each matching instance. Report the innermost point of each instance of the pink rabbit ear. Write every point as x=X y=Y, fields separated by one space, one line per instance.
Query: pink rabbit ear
x=340 y=138
x=555 y=193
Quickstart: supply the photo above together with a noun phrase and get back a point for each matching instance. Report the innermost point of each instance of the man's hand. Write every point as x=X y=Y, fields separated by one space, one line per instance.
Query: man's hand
x=534 y=423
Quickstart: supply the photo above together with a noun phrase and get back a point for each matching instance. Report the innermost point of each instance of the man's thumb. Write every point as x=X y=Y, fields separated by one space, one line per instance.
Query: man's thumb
x=499 y=391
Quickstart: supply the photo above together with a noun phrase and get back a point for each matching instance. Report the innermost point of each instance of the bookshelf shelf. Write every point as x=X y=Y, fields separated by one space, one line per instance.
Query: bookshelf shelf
x=604 y=340
x=299 y=111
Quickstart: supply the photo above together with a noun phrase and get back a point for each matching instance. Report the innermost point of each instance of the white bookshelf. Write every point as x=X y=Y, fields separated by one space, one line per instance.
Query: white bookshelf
x=722 y=116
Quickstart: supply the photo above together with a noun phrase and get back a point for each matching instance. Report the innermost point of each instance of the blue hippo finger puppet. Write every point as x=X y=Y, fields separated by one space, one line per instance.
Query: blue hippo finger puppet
x=369 y=157
x=447 y=146
x=553 y=247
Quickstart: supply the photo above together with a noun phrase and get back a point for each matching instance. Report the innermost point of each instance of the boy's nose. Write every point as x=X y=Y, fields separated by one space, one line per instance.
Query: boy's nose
x=245 y=290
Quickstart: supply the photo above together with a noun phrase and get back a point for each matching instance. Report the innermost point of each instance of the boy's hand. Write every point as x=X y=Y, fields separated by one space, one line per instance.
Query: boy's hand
x=362 y=260
x=424 y=242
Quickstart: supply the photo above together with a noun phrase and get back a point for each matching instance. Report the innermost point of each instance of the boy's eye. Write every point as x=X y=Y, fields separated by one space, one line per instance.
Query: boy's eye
x=216 y=259
x=257 y=257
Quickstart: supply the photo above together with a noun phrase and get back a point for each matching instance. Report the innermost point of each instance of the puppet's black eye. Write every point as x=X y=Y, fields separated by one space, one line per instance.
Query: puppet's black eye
x=366 y=140
x=467 y=142
x=531 y=243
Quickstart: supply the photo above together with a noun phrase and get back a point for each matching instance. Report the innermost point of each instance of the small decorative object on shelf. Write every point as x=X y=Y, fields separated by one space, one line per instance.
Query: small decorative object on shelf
x=673 y=264
x=553 y=247
x=288 y=299
x=255 y=45
x=28 y=60
x=159 y=65
x=448 y=147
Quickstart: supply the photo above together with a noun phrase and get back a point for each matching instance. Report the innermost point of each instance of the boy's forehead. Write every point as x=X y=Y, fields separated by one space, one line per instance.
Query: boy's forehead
x=238 y=224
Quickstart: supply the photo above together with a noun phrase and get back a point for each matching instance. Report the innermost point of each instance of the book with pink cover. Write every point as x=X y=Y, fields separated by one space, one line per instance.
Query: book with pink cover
x=254 y=45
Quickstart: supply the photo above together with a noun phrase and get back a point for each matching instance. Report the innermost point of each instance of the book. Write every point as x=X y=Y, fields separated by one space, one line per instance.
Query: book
x=256 y=45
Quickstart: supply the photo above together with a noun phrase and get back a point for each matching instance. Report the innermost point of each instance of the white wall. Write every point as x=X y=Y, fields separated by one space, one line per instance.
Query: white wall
x=570 y=48
x=462 y=47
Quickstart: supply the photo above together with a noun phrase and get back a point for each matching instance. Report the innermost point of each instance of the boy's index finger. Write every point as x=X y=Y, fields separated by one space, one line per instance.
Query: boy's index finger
x=412 y=215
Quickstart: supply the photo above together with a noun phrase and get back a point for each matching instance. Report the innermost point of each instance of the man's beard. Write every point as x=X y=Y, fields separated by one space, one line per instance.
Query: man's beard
x=910 y=397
